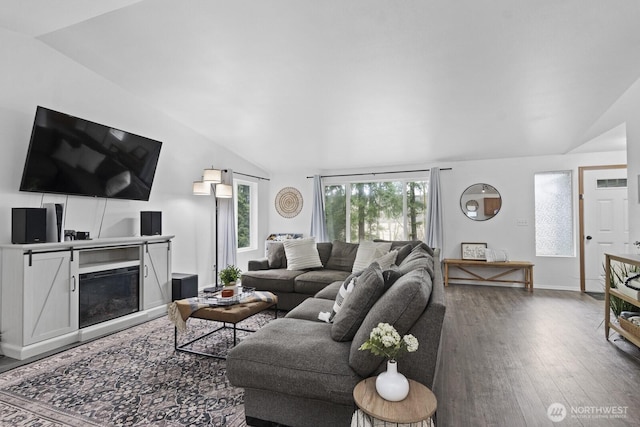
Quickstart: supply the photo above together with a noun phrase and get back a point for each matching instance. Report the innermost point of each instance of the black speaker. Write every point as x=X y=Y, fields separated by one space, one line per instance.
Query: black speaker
x=28 y=225
x=150 y=223
x=184 y=286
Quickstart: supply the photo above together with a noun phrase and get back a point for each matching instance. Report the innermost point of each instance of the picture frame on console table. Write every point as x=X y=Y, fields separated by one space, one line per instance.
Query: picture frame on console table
x=473 y=251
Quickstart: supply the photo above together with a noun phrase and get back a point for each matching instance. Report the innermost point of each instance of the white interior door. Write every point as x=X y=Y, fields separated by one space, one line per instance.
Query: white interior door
x=606 y=221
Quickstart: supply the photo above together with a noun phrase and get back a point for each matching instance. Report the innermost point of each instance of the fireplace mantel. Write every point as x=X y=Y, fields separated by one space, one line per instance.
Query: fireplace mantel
x=40 y=289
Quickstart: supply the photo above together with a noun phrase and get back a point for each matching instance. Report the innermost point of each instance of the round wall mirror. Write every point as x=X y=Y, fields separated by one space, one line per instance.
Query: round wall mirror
x=480 y=202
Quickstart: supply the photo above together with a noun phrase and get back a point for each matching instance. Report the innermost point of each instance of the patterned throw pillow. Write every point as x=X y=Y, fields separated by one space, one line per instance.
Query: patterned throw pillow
x=385 y=262
x=343 y=293
x=302 y=254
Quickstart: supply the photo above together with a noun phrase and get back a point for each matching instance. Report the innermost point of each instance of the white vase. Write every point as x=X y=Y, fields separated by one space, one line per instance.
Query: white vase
x=392 y=385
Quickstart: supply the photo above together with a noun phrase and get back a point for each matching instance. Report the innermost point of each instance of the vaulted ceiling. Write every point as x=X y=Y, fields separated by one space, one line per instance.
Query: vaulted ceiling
x=359 y=83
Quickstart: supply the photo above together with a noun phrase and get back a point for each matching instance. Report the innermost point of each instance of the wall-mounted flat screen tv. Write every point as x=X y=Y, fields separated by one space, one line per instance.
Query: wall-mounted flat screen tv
x=69 y=155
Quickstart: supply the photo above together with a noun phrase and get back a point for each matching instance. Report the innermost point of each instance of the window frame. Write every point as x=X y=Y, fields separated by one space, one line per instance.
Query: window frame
x=572 y=206
x=253 y=213
x=404 y=179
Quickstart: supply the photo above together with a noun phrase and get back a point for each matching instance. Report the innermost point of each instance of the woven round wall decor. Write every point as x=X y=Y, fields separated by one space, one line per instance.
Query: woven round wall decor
x=288 y=202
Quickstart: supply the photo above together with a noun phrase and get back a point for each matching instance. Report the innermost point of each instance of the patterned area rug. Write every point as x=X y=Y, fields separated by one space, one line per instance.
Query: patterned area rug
x=130 y=378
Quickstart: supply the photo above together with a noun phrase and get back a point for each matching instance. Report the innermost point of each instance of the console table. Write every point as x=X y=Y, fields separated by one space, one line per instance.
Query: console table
x=508 y=267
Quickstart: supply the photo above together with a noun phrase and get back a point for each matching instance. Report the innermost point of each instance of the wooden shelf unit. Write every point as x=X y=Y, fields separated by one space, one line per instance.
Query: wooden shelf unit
x=608 y=324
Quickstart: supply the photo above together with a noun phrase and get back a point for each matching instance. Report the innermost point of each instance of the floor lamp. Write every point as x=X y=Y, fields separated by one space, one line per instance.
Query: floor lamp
x=212 y=184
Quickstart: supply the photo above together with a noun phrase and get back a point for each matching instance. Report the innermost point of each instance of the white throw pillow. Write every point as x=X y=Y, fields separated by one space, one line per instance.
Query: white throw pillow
x=369 y=252
x=387 y=260
x=302 y=254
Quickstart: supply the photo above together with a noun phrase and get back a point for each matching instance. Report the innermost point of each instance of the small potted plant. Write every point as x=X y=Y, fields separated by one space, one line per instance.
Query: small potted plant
x=229 y=276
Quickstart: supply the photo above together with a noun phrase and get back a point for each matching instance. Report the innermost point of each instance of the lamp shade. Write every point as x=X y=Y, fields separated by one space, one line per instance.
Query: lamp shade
x=224 y=191
x=212 y=176
x=201 y=188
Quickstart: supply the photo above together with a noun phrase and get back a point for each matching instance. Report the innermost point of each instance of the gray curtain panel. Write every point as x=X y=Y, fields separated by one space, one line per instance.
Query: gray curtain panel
x=318 y=219
x=434 y=211
x=227 y=243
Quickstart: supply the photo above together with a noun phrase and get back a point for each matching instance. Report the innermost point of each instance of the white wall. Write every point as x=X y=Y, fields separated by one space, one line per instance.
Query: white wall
x=633 y=175
x=513 y=178
x=625 y=112
x=33 y=74
x=301 y=223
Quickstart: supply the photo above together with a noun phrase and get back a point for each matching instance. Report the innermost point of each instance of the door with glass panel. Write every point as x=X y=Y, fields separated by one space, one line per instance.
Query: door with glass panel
x=606 y=221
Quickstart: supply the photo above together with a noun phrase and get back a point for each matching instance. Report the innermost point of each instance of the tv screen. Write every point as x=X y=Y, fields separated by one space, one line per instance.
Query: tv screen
x=69 y=155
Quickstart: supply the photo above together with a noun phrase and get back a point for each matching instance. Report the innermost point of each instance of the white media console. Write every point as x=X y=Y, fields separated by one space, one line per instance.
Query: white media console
x=41 y=299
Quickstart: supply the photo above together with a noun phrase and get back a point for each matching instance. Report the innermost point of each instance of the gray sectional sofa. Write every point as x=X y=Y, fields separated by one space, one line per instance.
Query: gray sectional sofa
x=294 y=286
x=301 y=371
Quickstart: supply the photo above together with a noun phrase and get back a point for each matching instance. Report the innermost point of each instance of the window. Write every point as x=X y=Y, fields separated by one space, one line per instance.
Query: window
x=390 y=210
x=612 y=183
x=554 y=214
x=246 y=215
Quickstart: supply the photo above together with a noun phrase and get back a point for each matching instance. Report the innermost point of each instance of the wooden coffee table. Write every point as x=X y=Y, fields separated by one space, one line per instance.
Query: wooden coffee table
x=418 y=406
x=230 y=314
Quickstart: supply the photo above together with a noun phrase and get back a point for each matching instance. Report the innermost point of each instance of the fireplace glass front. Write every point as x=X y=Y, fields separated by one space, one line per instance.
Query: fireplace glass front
x=109 y=294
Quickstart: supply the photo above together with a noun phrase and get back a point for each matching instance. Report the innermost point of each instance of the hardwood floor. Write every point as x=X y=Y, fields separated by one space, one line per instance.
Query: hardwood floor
x=508 y=354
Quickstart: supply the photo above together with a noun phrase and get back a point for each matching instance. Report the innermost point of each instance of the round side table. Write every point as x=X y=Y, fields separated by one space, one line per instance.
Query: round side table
x=418 y=406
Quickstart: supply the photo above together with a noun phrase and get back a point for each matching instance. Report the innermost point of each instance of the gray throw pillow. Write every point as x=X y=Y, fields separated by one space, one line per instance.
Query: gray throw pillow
x=421 y=255
x=403 y=252
x=366 y=290
x=324 y=250
x=343 y=255
x=275 y=256
x=390 y=276
x=395 y=244
x=400 y=306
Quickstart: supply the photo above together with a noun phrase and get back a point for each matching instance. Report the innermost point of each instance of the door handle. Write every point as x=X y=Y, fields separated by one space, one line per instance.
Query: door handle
x=588 y=237
x=73 y=278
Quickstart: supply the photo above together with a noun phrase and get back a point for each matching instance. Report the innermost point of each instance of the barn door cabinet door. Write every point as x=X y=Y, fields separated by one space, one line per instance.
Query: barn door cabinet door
x=50 y=296
x=156 y=274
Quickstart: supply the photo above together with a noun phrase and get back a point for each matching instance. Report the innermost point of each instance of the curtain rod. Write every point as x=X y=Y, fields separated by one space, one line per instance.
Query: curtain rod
x=378 y=173
x=252 y=176
x=246 y=174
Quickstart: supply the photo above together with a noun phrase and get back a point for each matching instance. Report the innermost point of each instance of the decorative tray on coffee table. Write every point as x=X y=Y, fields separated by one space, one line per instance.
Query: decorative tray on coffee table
x=217 y=300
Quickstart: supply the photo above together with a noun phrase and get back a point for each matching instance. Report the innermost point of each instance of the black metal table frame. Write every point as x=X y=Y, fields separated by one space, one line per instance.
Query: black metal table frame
x=182 y=347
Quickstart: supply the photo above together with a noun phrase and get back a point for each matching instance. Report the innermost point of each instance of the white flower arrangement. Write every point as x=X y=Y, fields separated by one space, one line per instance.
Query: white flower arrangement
x=385 y=341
